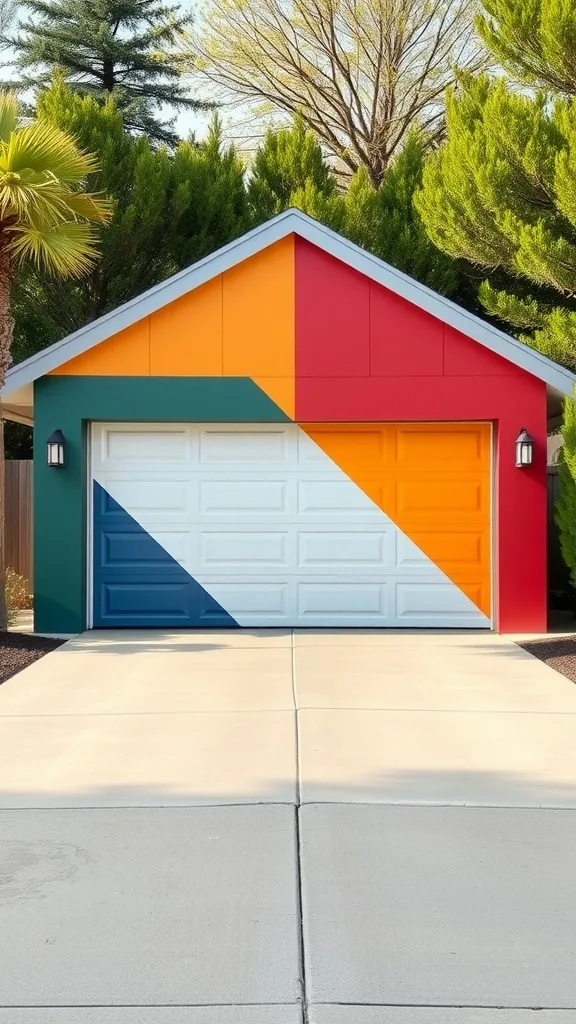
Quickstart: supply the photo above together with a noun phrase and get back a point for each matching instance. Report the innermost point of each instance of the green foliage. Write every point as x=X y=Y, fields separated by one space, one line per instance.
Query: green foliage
x=501 y=194
x=170 y=209
x=386 y=222
x=17 y=440
x=124 y=48
x=18 y=596
x=289 y=169
x=173 y=208
x=534 y=40
x=565 y=511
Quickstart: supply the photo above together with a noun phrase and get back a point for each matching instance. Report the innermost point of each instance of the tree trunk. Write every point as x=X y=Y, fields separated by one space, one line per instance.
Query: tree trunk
x=6 y=331
x=108 y=75
x=3 y=605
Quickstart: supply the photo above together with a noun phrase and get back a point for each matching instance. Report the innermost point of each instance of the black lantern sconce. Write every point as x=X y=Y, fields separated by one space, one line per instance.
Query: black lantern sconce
x=55 y=449
x=524 y=448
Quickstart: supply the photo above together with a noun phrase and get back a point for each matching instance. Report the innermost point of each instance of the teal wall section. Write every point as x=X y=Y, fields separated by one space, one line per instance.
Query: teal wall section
x=60 y=495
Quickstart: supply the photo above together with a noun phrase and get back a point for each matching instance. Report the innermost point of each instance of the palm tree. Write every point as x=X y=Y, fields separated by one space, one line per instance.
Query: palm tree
x=45 y=218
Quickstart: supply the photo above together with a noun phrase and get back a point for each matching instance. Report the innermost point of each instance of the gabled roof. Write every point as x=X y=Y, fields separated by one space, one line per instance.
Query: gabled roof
x=290 y=222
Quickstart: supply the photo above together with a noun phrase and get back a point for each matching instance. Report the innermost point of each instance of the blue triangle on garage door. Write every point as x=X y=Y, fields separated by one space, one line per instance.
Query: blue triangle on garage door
x=138 y=584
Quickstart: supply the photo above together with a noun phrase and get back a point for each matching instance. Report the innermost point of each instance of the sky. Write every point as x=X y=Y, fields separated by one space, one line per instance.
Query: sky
x=186 y=121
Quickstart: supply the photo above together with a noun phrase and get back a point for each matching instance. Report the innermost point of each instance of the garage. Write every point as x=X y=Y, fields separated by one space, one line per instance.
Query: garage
x=200 y=525
x=289 y=434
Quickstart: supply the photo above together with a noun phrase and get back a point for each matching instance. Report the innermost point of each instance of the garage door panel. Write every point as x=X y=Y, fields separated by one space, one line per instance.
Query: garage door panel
x=468 y=547
x=243 y=549
x=156 y=604
x=145 y=496
x=333 y=549
x=334 y=602
x=245 y=447
x=262 y=527
x=464 y=498
x=121 y=548
x=437 y=446
x=241 y=497
x=362 y=448
x=253 y=600
x=334 y=497
x=145 y=446
x=420 y=601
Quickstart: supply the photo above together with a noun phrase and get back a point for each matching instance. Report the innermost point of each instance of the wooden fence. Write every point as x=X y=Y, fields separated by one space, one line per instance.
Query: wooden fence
x=18 y=521
x=18 y=530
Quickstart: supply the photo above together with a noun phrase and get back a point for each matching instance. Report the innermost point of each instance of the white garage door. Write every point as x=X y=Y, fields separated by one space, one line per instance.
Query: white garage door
x=253 y=525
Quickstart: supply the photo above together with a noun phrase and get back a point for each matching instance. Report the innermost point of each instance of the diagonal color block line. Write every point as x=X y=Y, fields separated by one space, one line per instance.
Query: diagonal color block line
x=138 y=582
x=433 y=481
x=273 y=529
x=281 y=391
x=239 y=324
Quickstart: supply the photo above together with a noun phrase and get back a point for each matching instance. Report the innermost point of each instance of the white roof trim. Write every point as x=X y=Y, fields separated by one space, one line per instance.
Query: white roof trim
x=290 y=222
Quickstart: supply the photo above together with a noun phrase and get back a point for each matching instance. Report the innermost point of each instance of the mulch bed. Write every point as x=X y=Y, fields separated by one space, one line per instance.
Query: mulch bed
x=558 y=652
x=17 y=650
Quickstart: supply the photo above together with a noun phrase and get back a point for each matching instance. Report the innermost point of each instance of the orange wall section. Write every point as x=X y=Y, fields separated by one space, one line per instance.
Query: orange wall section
x=126 y=354
x=259 y=321
x=239 y=324
x=186 y=335
x=434 y=482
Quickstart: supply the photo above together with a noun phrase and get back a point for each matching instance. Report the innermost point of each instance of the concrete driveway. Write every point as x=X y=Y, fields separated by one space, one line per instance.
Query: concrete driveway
x=262 y=827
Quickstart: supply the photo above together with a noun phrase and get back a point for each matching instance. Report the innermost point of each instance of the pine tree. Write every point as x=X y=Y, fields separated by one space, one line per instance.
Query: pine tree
x=124 y=48
x=565 y=511
x=501 y=193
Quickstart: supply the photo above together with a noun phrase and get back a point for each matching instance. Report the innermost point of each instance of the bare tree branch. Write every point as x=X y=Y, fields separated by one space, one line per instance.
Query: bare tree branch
x=359 y=72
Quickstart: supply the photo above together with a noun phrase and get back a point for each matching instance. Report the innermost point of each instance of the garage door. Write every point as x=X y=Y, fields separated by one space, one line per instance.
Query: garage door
x=217 y=525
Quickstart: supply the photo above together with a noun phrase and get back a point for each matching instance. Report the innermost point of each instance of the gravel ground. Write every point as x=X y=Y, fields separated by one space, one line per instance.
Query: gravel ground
x=17 y=650
x=558 y=652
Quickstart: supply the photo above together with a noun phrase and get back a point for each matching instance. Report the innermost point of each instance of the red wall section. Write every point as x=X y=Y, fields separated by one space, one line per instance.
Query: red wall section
x=398 y=364
x=521 y=519
x=334 y=305
x=465 y=357
x=404 y=340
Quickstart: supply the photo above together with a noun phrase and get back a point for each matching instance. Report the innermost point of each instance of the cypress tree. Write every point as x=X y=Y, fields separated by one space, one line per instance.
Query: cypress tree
x=501 y=193
x=124 y=48
x=534 y=40
x=565 y=511
x=290 y=169
x=386 y=222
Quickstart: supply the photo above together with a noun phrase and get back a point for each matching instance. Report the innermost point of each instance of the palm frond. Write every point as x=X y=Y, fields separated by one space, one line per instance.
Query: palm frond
x=38 y=203
x=42 y=148
x=90 y=206
x=45 y=217
x=9 y=108
x=66 y=250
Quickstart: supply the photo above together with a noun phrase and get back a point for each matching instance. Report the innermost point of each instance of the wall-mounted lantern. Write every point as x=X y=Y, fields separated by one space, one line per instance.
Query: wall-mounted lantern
x=524 y=448
x=55 y=449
